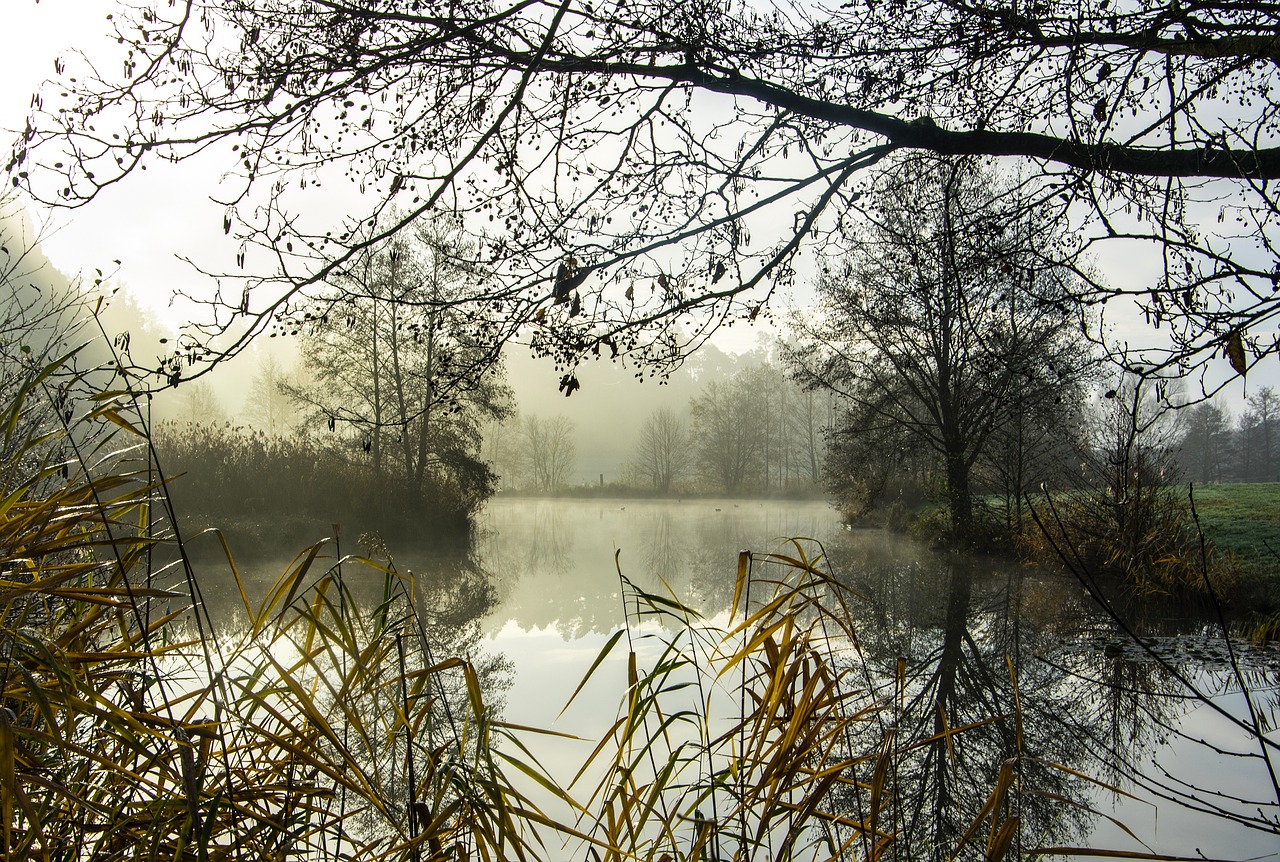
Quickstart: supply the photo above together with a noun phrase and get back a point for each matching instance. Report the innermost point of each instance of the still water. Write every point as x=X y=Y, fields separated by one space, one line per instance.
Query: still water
x=1196 y=783
x=1160 y=729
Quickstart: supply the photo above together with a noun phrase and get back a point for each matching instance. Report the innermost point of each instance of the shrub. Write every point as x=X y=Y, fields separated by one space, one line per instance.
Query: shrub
x=1138 y=530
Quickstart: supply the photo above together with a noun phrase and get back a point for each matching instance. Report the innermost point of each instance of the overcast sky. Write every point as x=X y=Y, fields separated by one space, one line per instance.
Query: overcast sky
x=139 y=226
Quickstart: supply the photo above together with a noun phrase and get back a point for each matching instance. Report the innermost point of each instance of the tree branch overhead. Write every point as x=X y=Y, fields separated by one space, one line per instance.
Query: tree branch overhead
x=685 y=154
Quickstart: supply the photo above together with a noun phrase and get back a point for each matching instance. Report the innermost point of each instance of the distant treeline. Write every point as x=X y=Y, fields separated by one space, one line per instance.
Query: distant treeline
x=742 y=427
x=1215 y=447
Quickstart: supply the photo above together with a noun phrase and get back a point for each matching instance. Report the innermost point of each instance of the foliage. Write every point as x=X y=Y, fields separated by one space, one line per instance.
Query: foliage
x=872 y=467
x=774 y=735
x=132 y=727
x=931 y=524
x=581 y=141
x=342 y=722
x=42 y=323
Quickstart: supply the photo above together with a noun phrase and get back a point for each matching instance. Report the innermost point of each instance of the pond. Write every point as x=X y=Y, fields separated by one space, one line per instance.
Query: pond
x=1023 y=659
x=1092 y=700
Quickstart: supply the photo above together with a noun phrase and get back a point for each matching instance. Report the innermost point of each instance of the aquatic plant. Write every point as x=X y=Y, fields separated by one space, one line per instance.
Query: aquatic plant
x=132 y=728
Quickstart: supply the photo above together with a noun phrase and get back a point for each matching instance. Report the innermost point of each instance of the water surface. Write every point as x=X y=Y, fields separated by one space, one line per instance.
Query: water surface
x=547 y=582
x=1091 y=700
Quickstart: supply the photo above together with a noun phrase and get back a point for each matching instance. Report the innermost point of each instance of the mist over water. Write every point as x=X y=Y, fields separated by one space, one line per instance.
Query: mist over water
x=556 y=563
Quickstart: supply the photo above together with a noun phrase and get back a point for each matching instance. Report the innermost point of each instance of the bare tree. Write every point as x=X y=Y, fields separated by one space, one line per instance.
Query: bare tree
x=729 y=432
x=945 y=321
x=398 y=375
x=1128 y=517
x=43 y=358
x=624 y=163
x=1256 y=433
x=548 y=452
x=1205 y=446
x=867 y=448
x=501 y=448
x=812 y=414
x=269 y=404
x=663 y=456
x=40 y=310
x=198 y=404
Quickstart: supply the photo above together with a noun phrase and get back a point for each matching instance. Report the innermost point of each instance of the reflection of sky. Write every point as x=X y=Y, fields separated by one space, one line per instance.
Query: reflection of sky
x=559 y=601
x=548 y=668
x=555 y=561
x=551 y=656
x=1185 y=832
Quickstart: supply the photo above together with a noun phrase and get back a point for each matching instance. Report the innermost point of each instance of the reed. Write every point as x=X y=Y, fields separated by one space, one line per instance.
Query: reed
x=323 y=728
x=330 y=726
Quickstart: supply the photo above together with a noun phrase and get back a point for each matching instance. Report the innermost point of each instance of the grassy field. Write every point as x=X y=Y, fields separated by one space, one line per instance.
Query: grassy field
x=1244 y=520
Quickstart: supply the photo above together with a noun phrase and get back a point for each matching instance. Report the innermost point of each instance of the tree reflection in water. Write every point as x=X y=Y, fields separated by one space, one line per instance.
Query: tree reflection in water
x=965 y=630
x=963 y=635
x=409 y=727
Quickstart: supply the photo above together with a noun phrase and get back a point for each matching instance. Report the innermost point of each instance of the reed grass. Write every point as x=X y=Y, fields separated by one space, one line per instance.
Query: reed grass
x=329 y=726
x=130 y=728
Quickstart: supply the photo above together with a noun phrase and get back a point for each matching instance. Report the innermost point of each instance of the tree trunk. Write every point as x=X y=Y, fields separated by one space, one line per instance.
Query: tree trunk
x=376 y=442
x=959 y=497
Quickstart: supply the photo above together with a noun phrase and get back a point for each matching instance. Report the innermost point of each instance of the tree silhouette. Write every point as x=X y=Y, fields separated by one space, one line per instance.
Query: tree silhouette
x=398 y=374
x=729 y=432
x=623 y=164
x=548 y=454
x=662 y=456
x=268 y=403
x=946 y=323
x=1256 y=434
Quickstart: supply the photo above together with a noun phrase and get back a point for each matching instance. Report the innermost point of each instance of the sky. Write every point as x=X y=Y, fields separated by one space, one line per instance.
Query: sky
x=134 y=227
x=146 y=222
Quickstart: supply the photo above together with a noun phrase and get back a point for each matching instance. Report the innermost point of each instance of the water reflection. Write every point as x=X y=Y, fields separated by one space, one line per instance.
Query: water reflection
x=966 y=630
x=349 y=666
x=954 y=632
x=452 y=590
x=556 y=562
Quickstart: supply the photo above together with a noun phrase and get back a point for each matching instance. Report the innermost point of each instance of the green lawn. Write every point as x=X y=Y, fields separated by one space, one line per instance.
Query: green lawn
x=1243 y=519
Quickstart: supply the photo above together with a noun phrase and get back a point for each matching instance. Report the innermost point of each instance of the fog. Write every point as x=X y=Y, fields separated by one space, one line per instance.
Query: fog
x=606 y=412
x=613 y=402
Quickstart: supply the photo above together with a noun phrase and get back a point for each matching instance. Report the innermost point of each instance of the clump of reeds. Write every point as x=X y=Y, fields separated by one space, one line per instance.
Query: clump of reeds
x=770 y=735
x=326 y=728
x=1145 y=537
